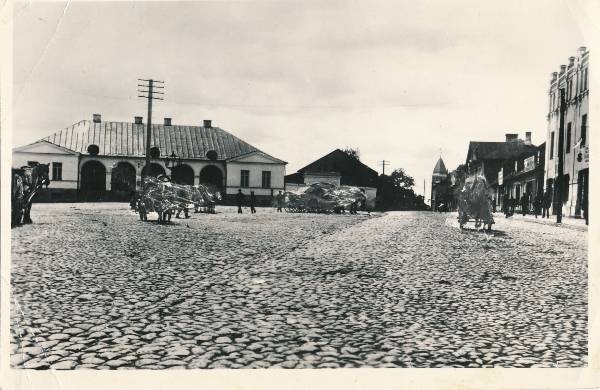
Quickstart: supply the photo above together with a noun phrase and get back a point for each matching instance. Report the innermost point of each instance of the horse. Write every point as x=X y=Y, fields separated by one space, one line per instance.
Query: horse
x=26 y=182
x=474 y=202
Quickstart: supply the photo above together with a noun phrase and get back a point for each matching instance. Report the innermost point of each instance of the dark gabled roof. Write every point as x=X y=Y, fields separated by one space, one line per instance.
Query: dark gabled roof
x=440 y=168
x=351 y=170
x=127 y=139
x=317 y=165
x=498 y=150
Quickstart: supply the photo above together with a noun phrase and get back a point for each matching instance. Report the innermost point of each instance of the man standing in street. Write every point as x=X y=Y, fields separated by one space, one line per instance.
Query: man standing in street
x=239 y=197
x=279 y=200
x=546 y=205
x=252 y=202
x=525 y=203
x=537 y=203
x=506 y=205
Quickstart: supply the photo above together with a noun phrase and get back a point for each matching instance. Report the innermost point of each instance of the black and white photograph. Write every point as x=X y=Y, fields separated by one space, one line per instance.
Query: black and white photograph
x=296 y=185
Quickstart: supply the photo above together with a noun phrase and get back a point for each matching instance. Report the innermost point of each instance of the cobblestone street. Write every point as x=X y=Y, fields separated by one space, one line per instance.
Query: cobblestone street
x=94 y=287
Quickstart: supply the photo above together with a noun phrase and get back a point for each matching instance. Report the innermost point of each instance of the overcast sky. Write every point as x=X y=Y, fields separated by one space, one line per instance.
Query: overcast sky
x=398 y=80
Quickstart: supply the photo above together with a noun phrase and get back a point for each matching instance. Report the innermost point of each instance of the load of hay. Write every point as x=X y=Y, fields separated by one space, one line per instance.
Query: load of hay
x=324 y=197
x=474 y=201
x=164 y=197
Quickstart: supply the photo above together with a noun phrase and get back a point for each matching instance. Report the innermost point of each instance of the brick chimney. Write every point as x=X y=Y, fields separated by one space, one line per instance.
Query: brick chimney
x=582 y=50
x=167 y=122
x=207 y=123
x=511 y=137
x=554 y=77
x=96 y=118
x=528 y=137
x=138 y=120
x=571 y=62
x=563 y=68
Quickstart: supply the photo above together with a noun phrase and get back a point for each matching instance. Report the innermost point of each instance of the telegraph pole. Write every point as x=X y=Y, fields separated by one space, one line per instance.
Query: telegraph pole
x=561 y=146
x=383 y=164
x=149 y=93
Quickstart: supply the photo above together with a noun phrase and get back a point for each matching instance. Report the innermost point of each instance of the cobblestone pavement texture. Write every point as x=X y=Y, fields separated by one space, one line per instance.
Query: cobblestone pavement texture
x=94 y=287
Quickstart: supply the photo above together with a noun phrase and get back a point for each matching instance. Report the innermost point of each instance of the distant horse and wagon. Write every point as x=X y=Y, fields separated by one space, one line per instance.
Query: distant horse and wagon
x=475 y=203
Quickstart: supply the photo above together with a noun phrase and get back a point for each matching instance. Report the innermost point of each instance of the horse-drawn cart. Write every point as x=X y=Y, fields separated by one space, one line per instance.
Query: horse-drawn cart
x=474 y=203
x=324 y=198
x=163 y=197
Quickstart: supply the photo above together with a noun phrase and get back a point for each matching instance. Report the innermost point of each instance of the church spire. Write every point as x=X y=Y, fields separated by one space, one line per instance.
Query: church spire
x=440 y=168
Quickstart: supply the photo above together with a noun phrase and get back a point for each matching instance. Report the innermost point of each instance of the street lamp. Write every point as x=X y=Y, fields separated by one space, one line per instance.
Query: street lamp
x=172 y=161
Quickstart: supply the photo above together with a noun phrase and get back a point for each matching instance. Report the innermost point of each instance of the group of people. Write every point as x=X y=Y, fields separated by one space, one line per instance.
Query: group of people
x=240 y=199
x=541 y=202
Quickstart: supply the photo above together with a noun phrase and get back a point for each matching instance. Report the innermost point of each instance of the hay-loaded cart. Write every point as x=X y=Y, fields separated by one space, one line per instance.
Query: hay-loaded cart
x=164 y=198
x=323 y=198
x=474 y=204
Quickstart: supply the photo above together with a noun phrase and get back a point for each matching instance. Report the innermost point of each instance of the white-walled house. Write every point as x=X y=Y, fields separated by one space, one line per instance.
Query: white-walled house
x=94 y=160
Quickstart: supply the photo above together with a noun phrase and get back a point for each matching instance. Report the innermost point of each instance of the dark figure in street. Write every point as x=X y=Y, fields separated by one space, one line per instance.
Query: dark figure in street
x=279 y=199
x=513 y=204
x=537 y=204
x=494 y=205
x=506 y=205
x=239 y=197
x=525 y=203
x=252 y=202
x=546 y=201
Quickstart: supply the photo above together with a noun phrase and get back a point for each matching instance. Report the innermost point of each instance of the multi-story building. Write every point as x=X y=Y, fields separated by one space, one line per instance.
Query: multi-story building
x=567 y=141
x=96 y=160
x=487 y=158
x=522 y=175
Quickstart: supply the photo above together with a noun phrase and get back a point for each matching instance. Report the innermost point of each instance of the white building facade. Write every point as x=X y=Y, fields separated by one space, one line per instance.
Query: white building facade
x=573 y=83
x=105 y=161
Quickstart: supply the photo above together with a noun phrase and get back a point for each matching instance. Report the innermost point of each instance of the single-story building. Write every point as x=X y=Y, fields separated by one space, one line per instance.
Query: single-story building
x=95 y=160
x=337 y=168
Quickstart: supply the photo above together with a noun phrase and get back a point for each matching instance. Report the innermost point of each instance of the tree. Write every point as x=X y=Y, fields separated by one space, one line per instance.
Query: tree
x=352 y=152
x=401 y=179
x=394 y=192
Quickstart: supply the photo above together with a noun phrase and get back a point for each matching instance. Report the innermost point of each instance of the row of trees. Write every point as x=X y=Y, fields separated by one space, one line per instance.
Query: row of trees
x=394 y=191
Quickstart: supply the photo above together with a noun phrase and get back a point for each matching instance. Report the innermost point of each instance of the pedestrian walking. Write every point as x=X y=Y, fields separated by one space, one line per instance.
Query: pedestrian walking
x=252 y=202
x=494 y=205
x=546 y=201
x=506 y=205
x=239 y=197
x=525 y=204
x=279 y=199
x=537 y=204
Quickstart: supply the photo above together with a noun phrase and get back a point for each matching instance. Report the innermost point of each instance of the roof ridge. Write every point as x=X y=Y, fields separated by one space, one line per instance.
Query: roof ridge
x=191 y=142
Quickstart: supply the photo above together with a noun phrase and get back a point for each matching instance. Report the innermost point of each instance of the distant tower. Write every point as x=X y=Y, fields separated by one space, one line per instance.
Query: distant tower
x=439 y=184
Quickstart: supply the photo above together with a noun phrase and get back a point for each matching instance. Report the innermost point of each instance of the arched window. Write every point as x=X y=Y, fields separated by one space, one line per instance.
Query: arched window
x=153 y=169
x=93 y=181
x=182 y=174
x=122 y=181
